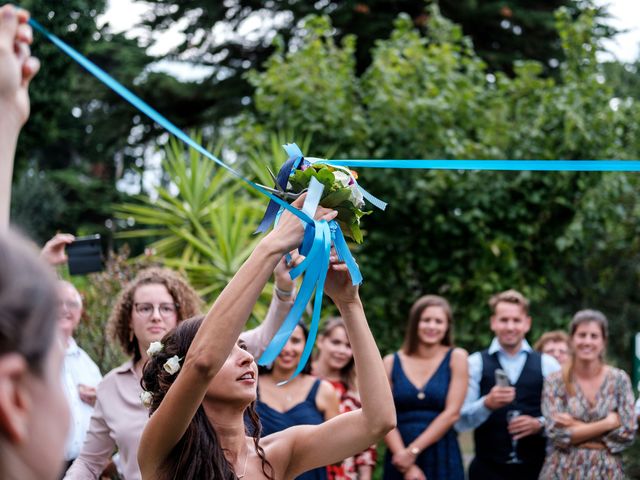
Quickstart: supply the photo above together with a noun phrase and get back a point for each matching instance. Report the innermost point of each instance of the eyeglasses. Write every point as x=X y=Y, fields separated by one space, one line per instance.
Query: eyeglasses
x=69 y=305
x=166 y=310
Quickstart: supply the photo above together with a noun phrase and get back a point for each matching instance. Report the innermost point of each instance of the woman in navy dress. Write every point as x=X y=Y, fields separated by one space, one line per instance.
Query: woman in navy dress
x=429 y=382
x=305 y=400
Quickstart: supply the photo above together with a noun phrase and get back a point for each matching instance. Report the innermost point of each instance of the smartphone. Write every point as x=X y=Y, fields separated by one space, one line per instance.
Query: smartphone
x=85 y=255
x=501 y=378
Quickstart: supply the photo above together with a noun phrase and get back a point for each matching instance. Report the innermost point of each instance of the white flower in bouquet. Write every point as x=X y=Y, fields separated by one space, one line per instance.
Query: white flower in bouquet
x=172 y=365
x=342 y=178
x=155 y=347
x=146 y=398
x=356 y=196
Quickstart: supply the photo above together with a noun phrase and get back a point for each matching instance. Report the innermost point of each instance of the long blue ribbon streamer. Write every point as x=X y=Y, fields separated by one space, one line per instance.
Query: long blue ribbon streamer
x=314 y=279
x=498 y=165
x=154 y=115
x=317 y=262
x=318 y=259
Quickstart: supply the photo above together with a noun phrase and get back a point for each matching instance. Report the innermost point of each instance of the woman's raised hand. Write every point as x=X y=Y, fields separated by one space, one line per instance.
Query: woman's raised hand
x=338 y=284
x=17 y=66
x=289 y=232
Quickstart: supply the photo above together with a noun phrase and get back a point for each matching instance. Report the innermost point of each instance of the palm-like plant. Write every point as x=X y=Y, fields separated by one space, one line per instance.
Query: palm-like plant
x=205 y=230
x=171 y=217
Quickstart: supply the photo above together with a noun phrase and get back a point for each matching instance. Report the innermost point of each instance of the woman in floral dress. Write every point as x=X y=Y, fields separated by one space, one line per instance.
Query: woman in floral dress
x=588 y=407
x=334 y=363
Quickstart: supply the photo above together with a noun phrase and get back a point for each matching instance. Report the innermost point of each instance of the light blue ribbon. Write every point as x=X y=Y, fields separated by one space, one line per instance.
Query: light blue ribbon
x=314 y=267
x=154 y=115
x=317 y=261
x=508 y=165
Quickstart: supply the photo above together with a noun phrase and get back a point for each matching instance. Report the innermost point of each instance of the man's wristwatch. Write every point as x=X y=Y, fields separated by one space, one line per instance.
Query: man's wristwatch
x=542 y=421
x=413 y=450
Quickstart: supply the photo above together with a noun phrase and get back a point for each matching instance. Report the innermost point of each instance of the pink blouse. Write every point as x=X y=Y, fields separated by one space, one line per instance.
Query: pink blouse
x=119 y=416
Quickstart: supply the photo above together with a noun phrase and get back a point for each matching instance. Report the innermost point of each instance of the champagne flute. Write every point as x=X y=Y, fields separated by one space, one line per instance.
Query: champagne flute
x=513 y=456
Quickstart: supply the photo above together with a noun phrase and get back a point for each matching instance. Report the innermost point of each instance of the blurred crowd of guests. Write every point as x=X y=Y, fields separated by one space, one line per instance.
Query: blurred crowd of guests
x=554 y=410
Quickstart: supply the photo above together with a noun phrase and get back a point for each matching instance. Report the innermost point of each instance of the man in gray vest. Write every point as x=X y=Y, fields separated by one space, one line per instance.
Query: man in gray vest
x=488 y=405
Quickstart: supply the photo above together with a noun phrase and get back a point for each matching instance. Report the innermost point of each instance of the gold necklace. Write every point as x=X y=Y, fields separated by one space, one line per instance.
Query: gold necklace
x=244 y=470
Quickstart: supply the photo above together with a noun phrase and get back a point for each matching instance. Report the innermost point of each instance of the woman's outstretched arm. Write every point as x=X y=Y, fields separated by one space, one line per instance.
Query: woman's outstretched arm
x=312 y=446
x=17 y=68
x=214 y=341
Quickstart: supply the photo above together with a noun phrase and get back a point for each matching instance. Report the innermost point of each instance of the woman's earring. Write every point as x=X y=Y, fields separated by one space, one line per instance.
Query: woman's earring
x=130 y=336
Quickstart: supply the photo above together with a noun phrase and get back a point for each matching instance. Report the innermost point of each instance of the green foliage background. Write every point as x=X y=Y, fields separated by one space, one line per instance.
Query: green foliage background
x=566 y=240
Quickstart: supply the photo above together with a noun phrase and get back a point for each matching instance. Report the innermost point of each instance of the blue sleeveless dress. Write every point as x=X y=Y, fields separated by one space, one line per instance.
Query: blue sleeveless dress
x=304 y=413
x=416 y=409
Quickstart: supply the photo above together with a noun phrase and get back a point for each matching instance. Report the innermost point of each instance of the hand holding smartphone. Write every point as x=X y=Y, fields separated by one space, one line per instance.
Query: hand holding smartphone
x=502 y=380
x=85 y=255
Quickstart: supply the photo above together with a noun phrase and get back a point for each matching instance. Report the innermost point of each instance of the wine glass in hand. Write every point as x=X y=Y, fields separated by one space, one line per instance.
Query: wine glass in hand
x=513 y=456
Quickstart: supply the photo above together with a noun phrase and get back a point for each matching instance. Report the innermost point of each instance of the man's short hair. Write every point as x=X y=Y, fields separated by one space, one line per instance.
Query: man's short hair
x=509 y=296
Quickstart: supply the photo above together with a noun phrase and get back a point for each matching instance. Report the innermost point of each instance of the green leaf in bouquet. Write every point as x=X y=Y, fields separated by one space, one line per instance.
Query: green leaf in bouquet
x=336 y=198
x=356 y=233
x=324 y=176
x=361 y=213
x=300 y=179
x=345 y=216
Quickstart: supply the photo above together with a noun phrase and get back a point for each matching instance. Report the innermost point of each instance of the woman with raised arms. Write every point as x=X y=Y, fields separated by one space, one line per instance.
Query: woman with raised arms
x=197 y=428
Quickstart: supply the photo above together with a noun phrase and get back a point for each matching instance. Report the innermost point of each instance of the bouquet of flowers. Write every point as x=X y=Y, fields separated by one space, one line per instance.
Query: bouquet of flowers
x=340 y=193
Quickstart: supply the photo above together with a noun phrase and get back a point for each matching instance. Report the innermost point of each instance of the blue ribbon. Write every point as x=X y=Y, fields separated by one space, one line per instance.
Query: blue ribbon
x=508 y=165
x=316 y=248
x=319 y=235
x=154 y=115
x=315 y=267
x=282 y=179
x=317 y=261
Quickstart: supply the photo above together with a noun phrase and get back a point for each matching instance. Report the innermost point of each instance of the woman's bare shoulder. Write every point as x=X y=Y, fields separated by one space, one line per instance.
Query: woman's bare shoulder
x=278 y=447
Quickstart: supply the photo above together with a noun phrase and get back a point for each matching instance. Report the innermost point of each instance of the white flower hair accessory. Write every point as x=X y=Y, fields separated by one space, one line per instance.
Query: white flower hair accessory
x=146 y=398
x=154 y=348
x=172 y=365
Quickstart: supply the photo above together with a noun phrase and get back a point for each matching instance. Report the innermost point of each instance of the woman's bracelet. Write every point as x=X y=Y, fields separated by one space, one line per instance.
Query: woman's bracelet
x=283 y=293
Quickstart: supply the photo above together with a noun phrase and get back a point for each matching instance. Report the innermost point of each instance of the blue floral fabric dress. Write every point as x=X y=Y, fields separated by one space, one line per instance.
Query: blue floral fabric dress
x=416 y=408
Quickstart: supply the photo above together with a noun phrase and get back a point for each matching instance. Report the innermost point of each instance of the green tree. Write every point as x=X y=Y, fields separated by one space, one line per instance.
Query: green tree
x=80 y=133
x=202 y=222
x=504 y=31
x=468 y=235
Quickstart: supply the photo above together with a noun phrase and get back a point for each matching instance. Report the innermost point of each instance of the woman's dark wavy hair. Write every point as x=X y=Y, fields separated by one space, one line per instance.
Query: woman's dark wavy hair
x=198 y=454
x=266 y=370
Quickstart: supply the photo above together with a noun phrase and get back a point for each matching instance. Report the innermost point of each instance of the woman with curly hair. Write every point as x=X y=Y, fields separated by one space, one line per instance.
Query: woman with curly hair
x=202 y=381
x=154 y=303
